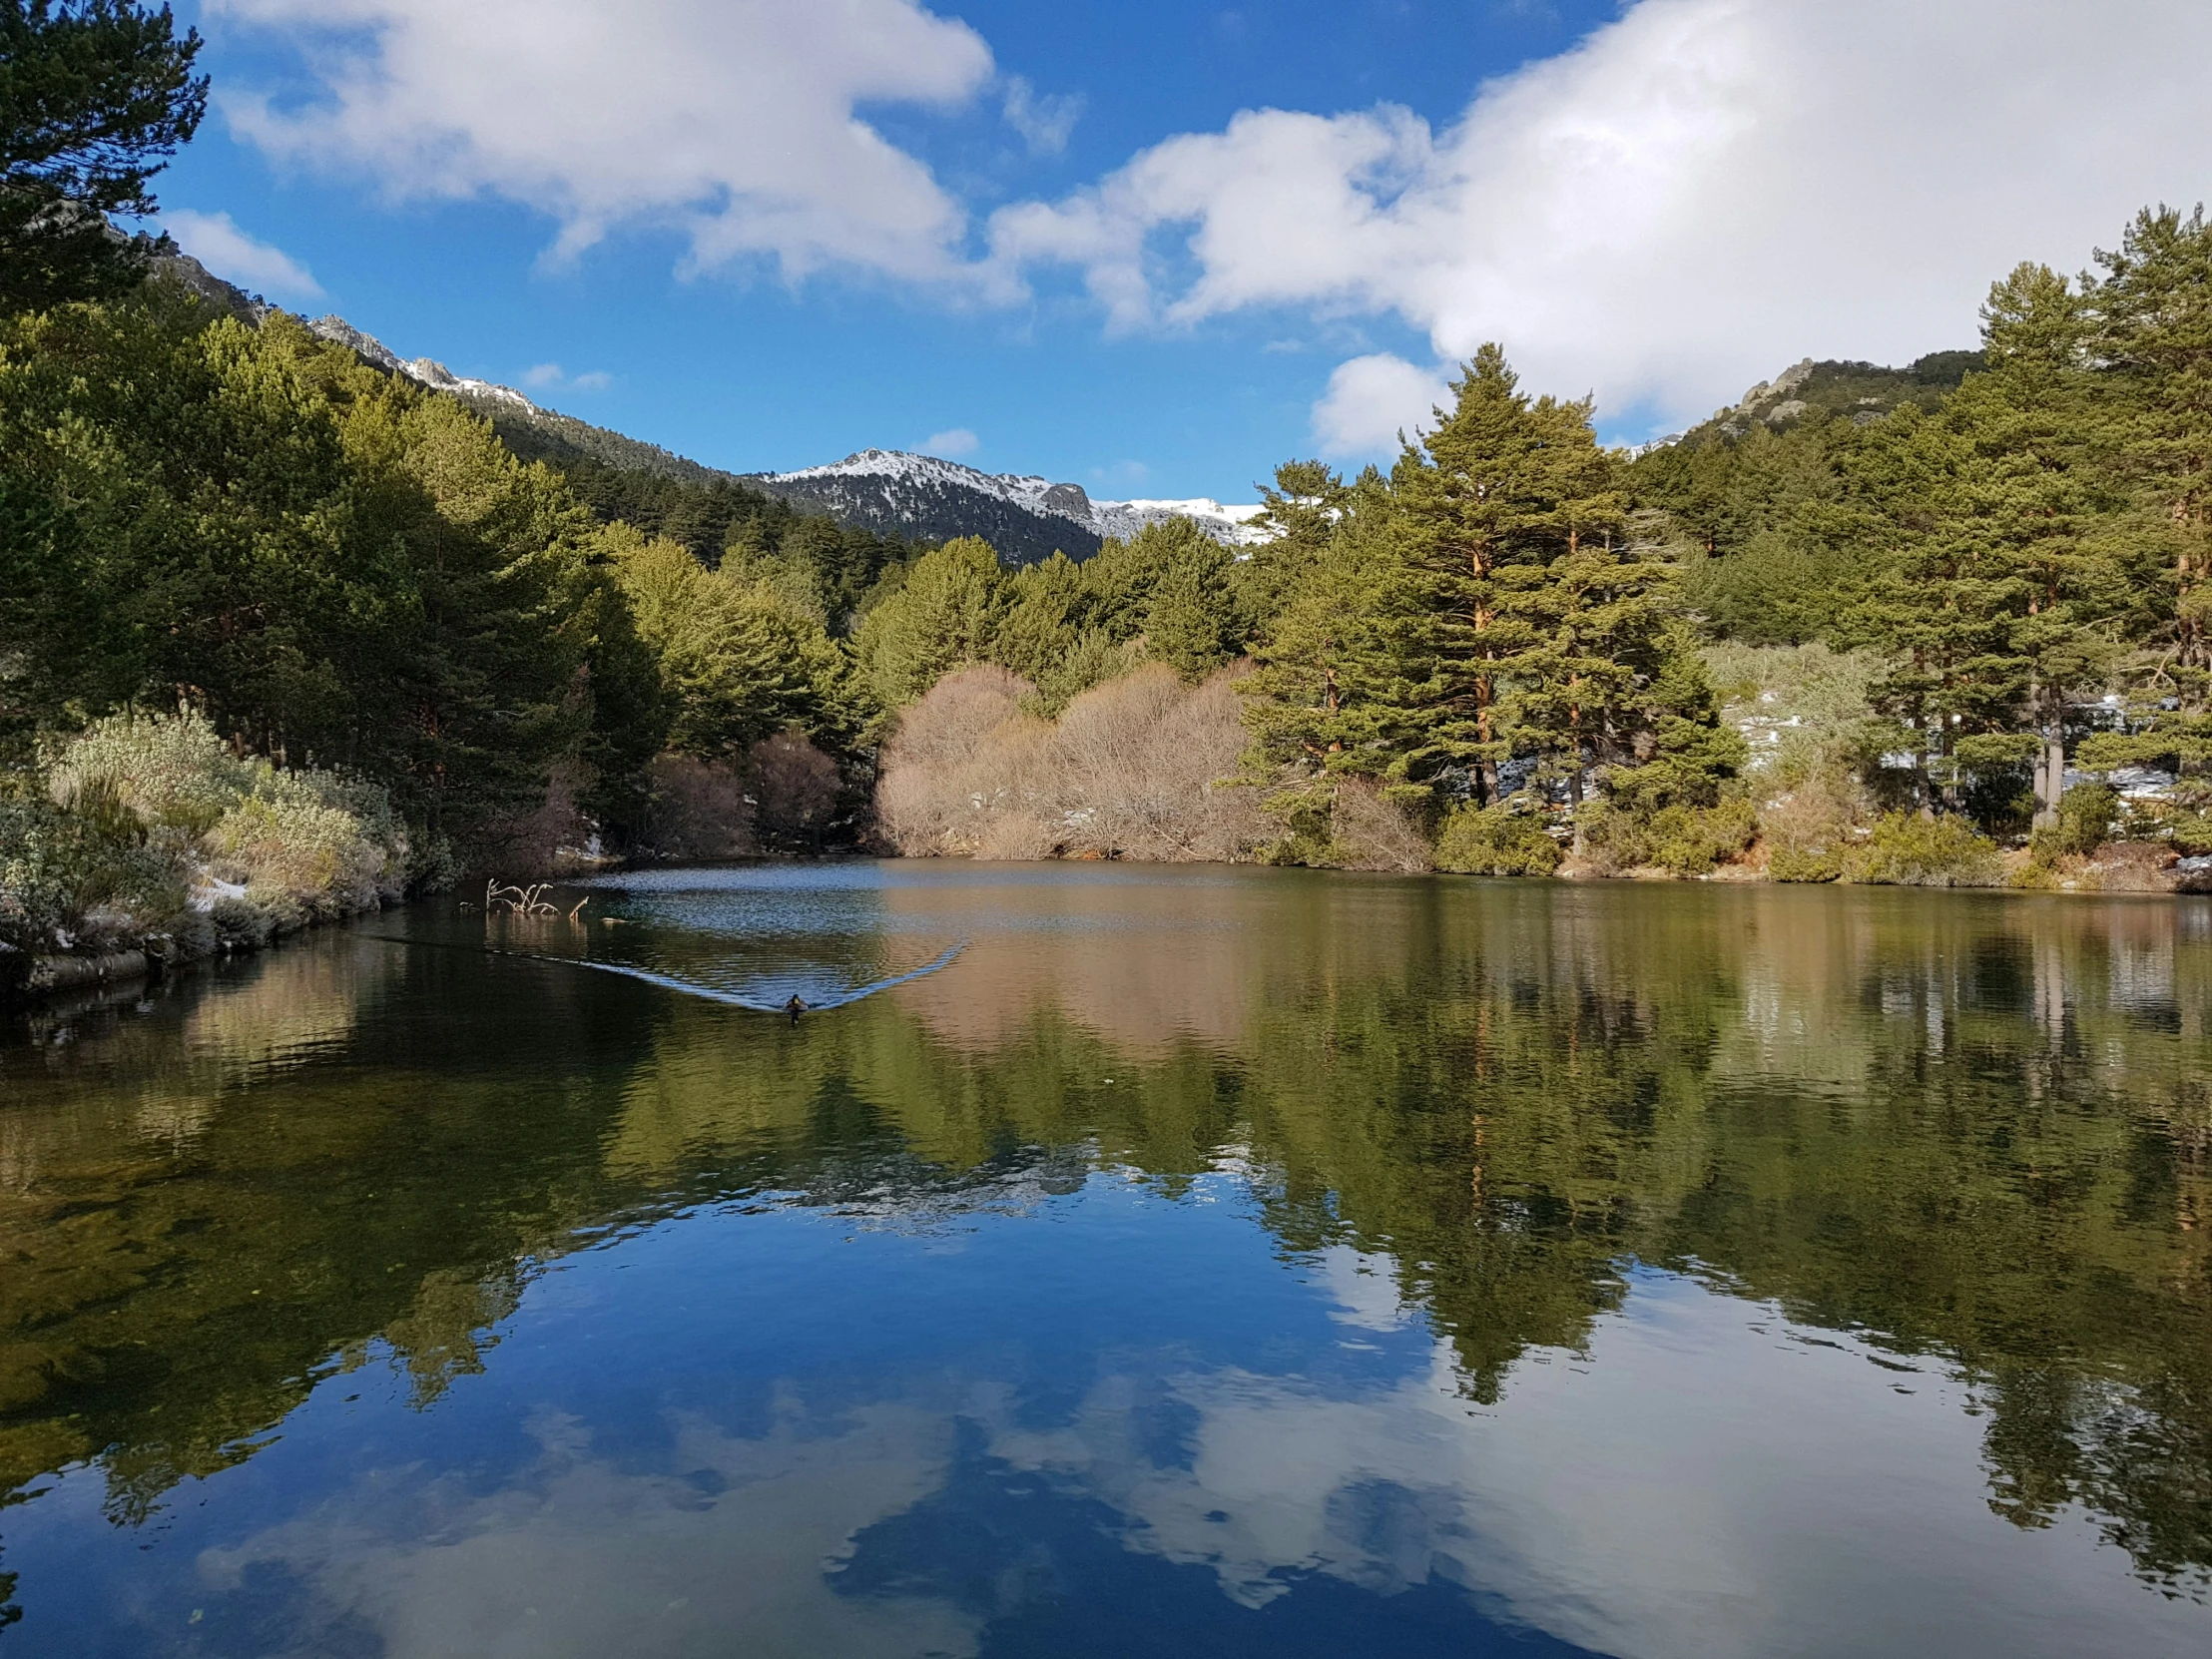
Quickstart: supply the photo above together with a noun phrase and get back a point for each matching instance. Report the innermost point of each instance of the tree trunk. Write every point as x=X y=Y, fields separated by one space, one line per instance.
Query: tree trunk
x=1574 y=776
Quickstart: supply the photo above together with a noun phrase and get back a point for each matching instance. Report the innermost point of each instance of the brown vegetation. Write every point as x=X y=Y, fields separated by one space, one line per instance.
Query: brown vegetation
x=1370 y=831
x=1135 y=768
x=792 y=786
x=698 y=810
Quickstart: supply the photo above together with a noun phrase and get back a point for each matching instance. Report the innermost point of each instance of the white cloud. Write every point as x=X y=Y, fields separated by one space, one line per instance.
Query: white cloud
x=1697 y=195
x=1370 y=400
x=552 y=377
x=217 y=243
x=731 y=120
x=1045 y=123
x=958 y=442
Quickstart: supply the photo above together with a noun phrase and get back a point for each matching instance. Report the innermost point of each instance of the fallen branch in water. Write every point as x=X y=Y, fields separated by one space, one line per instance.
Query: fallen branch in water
x=522 y=901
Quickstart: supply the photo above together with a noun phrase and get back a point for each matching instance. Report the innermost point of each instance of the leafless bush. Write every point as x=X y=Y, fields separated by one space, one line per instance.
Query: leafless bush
x=699 y=810
x=1020 y=837
x=950 y=725
x=1368 y=831
x=959 y=759
x=1132 y=769
x=794 y=787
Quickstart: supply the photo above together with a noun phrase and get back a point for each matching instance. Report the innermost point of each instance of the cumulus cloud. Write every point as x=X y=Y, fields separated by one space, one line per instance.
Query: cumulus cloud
x=217 y=243
x=731 y=120
x=1697 y=193
x=1370 y=400
x=958 y=442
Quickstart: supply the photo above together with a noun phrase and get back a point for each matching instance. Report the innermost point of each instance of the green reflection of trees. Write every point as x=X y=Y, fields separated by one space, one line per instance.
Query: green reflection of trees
x=1973 y=1130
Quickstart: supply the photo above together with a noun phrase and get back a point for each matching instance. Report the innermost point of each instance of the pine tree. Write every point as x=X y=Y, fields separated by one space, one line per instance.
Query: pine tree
x=1601 y=640
x=1502 y=488
x=94 y=95
x=1340 y=676
x=2001 y=559
x=2150 y=326
x=1299 y=515
x=947 y=612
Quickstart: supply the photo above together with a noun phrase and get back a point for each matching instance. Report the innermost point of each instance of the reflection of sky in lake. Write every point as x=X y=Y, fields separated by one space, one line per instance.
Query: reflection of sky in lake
x=1087 y=1426
x=863 y=1336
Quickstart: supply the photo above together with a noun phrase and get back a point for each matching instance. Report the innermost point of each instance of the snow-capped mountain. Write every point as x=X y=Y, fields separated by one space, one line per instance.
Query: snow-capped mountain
x=423 y=370
x=919 y=497
x=1025 y=517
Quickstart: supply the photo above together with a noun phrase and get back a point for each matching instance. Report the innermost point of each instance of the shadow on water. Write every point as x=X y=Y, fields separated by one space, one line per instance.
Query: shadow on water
x=1791 y=1226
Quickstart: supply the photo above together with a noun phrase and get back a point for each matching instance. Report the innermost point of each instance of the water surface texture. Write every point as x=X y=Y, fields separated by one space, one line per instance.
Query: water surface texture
x=1135 y=1261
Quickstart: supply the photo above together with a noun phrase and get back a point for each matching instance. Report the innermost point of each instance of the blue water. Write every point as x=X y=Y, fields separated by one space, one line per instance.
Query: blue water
x=1191 y=1262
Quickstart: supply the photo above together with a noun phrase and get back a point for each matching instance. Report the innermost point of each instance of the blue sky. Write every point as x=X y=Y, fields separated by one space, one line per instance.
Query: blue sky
x=1061 y=240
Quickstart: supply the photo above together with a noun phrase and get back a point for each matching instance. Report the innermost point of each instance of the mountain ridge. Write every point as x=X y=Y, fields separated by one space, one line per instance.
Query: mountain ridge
x=927 y=498
x=1025 y=517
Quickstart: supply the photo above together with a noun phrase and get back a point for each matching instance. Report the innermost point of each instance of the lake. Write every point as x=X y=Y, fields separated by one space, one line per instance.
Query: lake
x=1155 y=1261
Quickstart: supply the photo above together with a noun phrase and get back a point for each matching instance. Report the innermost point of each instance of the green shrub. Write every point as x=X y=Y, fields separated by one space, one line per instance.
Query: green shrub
x=1807 y=863
x=1681 y=838
x=2190 y=833
x=1691 y=840
x=1495 y=840
x=291 y=843
x=137 y=810
x=1908 y=851
x=2086 y=814
x=63 y=875
x=240 y=924
x=173 y=771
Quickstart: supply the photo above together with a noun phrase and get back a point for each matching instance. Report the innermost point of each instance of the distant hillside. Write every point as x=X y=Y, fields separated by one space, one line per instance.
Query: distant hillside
x=1027 y=518
x=883 y=493
x=1816 y=392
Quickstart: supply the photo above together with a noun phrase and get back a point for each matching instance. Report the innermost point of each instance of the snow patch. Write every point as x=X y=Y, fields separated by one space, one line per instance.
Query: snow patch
x=422 y=370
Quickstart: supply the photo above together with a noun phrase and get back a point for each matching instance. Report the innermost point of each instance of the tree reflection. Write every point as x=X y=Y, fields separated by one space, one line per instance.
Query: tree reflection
x=1967 y=1128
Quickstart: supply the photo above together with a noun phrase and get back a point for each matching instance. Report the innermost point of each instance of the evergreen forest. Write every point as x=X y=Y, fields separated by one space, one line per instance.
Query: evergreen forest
x=284 y=635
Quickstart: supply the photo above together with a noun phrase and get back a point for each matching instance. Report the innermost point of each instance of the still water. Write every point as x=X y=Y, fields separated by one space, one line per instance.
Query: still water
x=1155 y=1262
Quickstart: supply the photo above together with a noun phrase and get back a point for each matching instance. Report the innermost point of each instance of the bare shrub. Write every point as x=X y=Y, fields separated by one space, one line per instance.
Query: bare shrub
x=1138 y=764
x=950 y=723
x=1133 y=769
x=698 y=810
x=959 y=758
x=2134 y=866
x=1810 y=834
x=1370 y=831
x=794 y=787
x=1020 y=836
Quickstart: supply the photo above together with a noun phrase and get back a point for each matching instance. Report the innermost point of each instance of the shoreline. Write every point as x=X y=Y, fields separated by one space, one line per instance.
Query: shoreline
x=45 y=976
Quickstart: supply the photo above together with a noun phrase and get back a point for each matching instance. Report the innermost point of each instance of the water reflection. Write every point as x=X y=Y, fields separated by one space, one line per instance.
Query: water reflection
x=1258 y=1260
